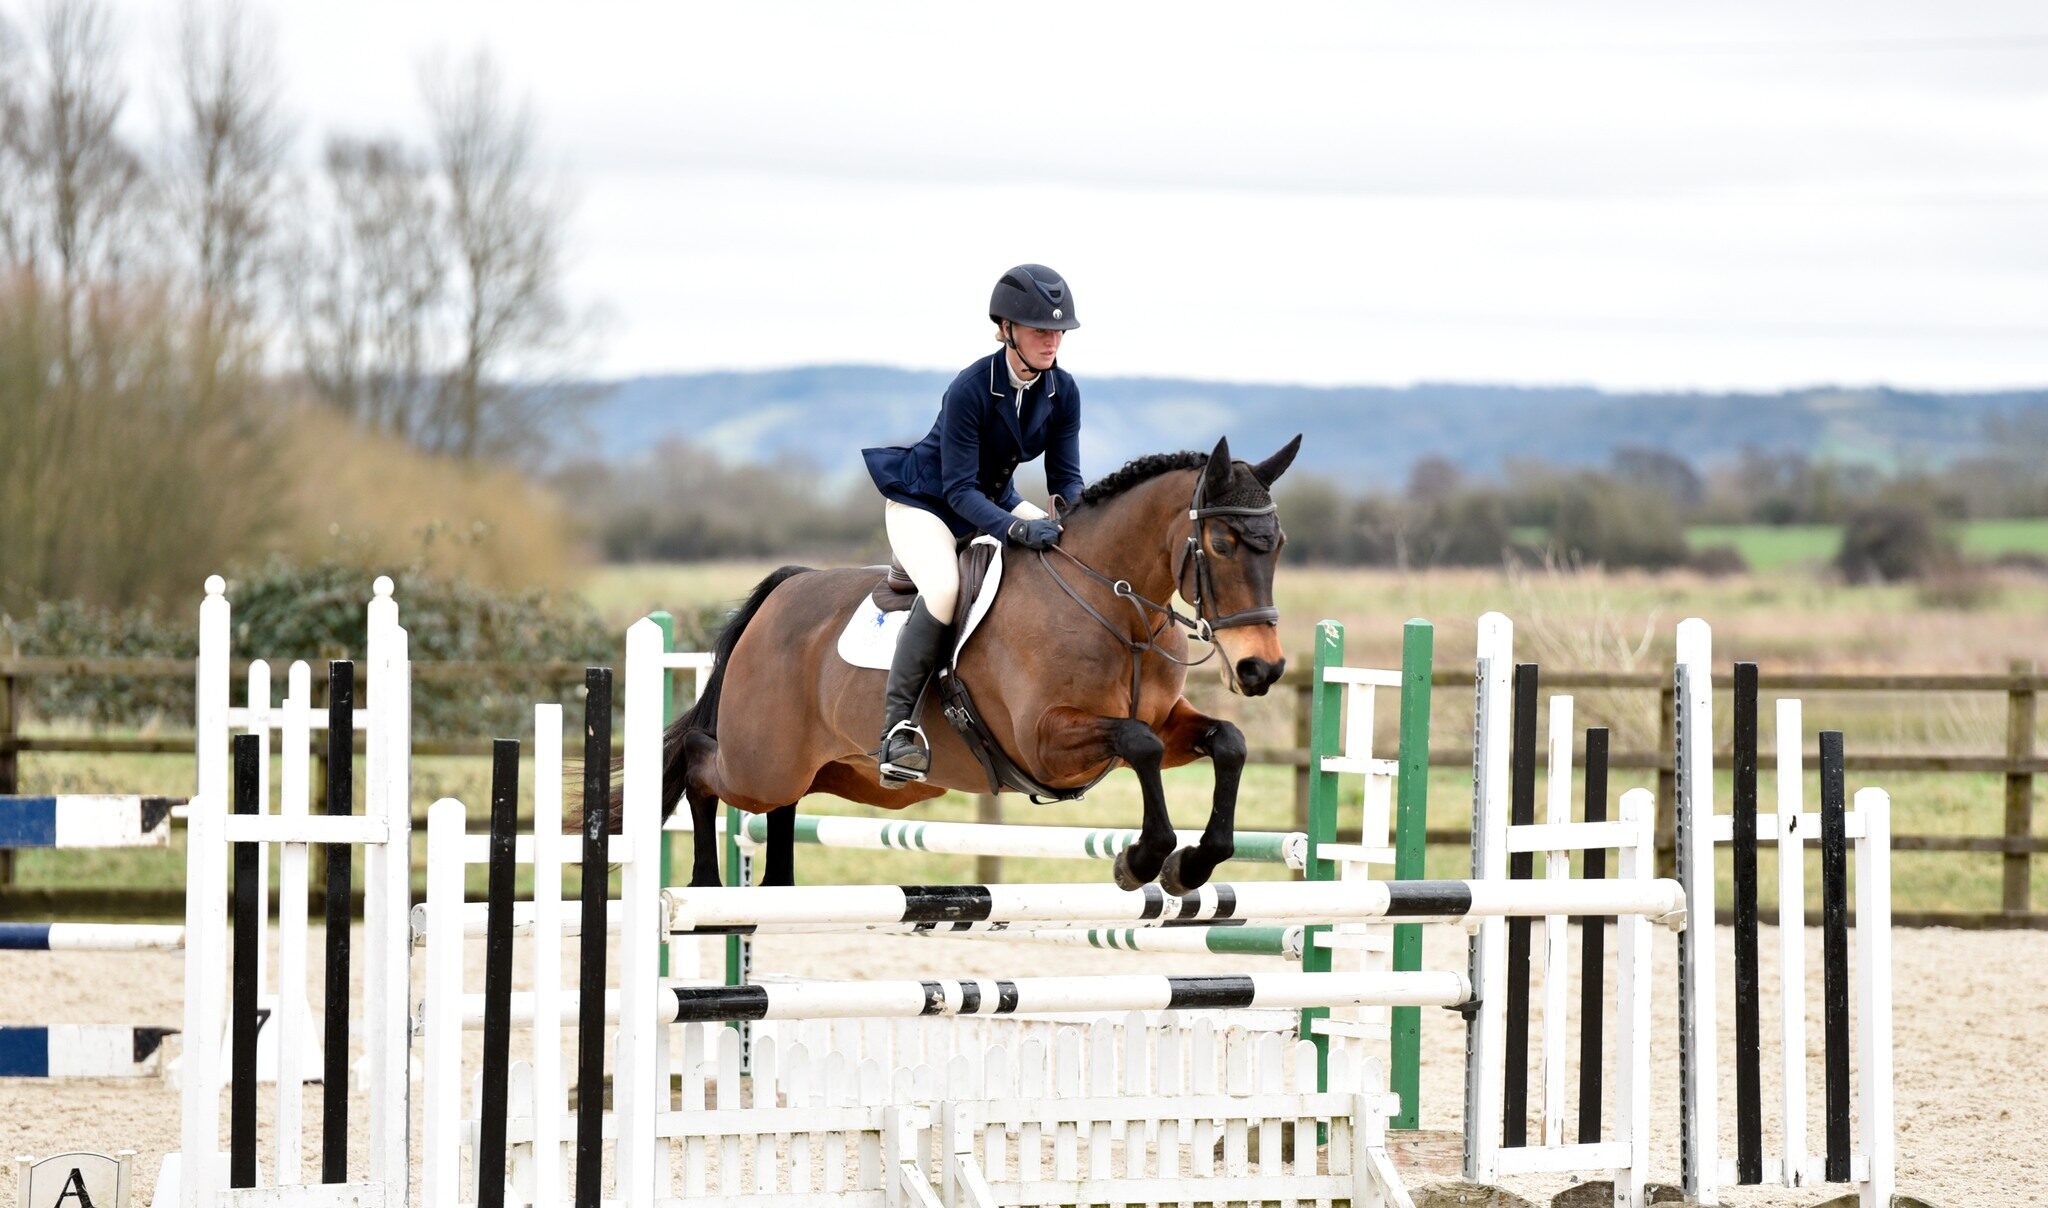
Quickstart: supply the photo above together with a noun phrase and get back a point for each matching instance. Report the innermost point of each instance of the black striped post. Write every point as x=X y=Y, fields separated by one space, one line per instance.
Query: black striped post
x=1521 y=867
x=1749 y=1112
x=248 y=909
x=504 y=869
x=341 y=790
x=597 y=798
x=1834 y=893
x=1592 y=946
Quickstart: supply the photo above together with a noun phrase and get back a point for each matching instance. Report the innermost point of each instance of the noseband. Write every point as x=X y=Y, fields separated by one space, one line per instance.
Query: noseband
x=1201 y=593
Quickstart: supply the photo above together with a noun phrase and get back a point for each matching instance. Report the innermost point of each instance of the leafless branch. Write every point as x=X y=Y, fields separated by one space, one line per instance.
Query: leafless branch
x=226 y=158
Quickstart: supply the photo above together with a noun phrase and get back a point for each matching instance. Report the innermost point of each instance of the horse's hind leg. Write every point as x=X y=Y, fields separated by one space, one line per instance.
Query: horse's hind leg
x=700 y=754
x=781 y=869
x=1189 y=735
x=704 y=846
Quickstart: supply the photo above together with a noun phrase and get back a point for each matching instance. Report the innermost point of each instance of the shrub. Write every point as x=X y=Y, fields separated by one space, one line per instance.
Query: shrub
x=1466 y=530
x=1718 y=561
x=283 y=612
x=129 y=450
x=1313 y=510
x=1959 y=584
x=1617 y=525
x=1892 y=542
x=2024 y=561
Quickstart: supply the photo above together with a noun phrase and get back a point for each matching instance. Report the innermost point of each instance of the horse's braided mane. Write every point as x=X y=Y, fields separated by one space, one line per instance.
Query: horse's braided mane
x=1245 y=490
x=1140 y=469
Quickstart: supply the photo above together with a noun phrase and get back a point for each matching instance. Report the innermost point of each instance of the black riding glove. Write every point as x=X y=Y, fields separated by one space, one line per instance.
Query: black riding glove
x=1034 y=534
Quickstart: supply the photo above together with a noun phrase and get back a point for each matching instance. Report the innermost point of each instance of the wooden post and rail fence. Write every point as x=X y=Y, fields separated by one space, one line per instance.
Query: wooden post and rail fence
x=2018 y=764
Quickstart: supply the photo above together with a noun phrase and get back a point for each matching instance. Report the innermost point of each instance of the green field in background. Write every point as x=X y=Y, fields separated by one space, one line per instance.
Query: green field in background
x=1773 y=547
x=1769 y=547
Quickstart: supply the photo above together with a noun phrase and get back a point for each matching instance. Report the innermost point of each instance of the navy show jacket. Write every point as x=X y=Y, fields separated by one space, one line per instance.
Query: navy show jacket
x=963 y=470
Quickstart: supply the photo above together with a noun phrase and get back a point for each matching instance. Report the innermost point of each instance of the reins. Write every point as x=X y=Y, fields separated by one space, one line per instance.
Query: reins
x=1202 y=626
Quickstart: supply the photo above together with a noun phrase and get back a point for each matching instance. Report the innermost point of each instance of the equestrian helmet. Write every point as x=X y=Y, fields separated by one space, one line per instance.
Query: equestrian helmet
x=1034 y=296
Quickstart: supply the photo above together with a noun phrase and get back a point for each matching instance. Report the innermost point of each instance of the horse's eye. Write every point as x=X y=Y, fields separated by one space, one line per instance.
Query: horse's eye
x=1222 y=545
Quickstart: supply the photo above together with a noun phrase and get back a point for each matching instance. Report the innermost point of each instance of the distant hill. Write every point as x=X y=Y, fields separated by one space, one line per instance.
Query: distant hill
x=1363 y=436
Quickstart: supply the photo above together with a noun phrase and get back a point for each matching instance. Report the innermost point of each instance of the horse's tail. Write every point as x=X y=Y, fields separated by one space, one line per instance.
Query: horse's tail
x=702 y=716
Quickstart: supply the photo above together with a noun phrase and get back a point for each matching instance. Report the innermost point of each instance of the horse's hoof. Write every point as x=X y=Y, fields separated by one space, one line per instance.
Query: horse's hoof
x=1177 y=878
x=1127 y=878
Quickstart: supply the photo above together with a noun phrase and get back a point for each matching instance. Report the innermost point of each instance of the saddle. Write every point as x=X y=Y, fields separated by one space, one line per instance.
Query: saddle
x=896 y=593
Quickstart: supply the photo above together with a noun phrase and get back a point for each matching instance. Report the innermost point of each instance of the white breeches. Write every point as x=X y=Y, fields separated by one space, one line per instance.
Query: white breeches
x=924 y=546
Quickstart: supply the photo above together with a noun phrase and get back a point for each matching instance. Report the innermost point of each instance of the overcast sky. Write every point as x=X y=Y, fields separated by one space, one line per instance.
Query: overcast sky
x=1727 y=195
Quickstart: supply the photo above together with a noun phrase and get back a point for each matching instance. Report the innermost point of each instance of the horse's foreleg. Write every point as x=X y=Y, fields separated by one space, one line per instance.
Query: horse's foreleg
x=1071 y=741
x=781 y=847
x=1136 y=744
x=1188 y=735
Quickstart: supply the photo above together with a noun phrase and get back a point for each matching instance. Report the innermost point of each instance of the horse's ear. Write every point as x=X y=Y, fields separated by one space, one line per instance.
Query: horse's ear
x=1217 y=477
x=1269 y=471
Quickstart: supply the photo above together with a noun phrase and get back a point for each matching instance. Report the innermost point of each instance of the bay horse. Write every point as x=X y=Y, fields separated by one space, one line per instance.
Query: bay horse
x=1079 y=663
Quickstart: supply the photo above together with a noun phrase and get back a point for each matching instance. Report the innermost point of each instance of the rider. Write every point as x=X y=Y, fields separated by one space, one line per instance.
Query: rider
x=1001 y=411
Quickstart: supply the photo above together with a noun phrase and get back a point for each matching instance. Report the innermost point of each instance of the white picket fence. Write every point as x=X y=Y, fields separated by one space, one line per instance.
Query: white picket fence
x=1119 y=1112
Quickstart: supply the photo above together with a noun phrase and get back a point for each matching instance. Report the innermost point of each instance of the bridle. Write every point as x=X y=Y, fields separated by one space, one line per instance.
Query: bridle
x=1194 y=557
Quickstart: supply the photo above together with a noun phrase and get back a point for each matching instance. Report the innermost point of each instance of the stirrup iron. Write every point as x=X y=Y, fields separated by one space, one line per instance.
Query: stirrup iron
x=894 y=775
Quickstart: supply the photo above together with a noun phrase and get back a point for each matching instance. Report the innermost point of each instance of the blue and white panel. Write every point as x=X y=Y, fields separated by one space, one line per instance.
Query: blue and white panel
x=83 y=820
x=82 y=1051
x=90 y=937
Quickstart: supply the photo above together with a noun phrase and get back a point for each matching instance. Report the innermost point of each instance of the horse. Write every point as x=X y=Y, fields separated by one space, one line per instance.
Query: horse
x=1078 y=664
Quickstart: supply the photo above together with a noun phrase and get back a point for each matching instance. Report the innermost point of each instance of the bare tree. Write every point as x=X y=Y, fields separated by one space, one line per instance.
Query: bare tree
x=368 y=289
x=505 y=221
x=226 y=157
x=84 y=178
x=17 y=240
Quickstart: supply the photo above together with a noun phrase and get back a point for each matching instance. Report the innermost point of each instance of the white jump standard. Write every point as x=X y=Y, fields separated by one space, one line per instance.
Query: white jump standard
x=1865 y=1156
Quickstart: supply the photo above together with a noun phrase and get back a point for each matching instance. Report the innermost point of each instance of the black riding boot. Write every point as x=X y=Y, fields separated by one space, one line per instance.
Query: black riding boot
x=904 y=755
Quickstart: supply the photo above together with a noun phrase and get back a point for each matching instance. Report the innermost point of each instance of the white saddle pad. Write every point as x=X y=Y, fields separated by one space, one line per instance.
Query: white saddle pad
x=869 y=639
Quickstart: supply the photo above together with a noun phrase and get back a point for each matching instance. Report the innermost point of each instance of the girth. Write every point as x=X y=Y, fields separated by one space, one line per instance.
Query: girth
x=1002 y=771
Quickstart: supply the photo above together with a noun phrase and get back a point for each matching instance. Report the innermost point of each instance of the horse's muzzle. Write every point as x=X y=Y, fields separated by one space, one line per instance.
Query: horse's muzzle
x=1255 y=676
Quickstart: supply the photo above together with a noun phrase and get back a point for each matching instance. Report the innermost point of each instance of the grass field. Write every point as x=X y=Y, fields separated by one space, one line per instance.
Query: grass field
x=1767 y=547
x=1779 y=547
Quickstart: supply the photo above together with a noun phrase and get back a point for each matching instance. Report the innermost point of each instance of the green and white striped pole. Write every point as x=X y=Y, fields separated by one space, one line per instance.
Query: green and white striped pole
x=1008 y=839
